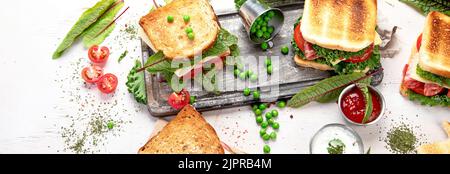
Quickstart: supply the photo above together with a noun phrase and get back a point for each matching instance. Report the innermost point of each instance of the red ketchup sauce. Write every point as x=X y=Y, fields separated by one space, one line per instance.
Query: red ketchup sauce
x=353 y=105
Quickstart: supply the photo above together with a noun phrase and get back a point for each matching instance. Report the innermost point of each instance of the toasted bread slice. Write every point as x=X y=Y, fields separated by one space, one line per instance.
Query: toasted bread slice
x=311 y=64
x=187 y=133
x=347 y=25
x=435 y=49
x=442 y=147
x=171 y=38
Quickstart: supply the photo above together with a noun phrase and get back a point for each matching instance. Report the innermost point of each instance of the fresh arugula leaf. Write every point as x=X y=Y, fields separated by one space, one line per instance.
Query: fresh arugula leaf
x=86 y=19
x=432 y=77
x=136 y=83
x=325 y=90
x=427 y=6
x=123 y=55
x=438 y=100
x=368 y=100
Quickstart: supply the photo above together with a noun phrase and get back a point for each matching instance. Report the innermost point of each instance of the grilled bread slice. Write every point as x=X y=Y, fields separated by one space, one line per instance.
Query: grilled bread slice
x=442 y=147
x=171 y=38
x=435 y=49
x=347 y=25
x=187 y=133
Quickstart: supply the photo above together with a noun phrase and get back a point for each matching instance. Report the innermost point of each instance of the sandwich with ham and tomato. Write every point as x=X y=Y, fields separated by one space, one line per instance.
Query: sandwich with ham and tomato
x=426 y=77
x=338 y=36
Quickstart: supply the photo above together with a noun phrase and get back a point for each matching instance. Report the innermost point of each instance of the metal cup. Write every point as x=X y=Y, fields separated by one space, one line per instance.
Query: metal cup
x=252 y=10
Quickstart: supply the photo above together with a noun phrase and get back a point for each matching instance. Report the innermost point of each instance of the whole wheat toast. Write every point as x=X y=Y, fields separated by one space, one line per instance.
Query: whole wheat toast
x=435 y=49
x=347 y=25
x=171 y=37
x=187 y=133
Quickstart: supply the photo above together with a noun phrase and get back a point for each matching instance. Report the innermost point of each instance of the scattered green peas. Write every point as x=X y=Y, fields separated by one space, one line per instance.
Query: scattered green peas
x=276 y=125
x=271 y=121
x=248 y=73
x=266 y=148
x=110 y=125
x=253 y=78
x=170 y=19
x=258 y=112
x=281 y=104
x=273 y=135
x=262 y=106
x=191 y=36
x=262 y=132
x=268 y=62
x=256 y=94
x=192 y=99
x=285 y=50
x=266 y=137
x=264 y=46
x=242 y=75
x=247 y=91
x=236 y=72
x=186 y=18
x=269 y=115
x=269 y=69
x=264 y=124
x=259 y=119
x=274 y=113
x=254 y=108
x=188 y=30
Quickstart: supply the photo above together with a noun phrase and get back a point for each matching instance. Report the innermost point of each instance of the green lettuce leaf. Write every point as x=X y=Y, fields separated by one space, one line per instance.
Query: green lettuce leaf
x=86 y=19
x=432 y=77
x=438 y=100
x=224 y=41
x=427 y=6
x=136 y=83
x=90 y=35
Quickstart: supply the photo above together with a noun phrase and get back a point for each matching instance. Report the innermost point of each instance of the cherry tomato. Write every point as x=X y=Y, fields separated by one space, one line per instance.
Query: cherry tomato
x=419 y=42
x=107 y=83
x=361 y=58
x=92 y=74
x=98 y=54
x=179 y=99
x=298 y=38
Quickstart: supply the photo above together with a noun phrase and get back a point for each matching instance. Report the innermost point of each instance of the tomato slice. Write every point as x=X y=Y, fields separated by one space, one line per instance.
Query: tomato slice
x=92 y=74
x=107 y=83
x=419 y=42
x=361 y=58
x=298 y=38
x=431 y=89
x=98 y=54
x=179 y=99
x=448 y=94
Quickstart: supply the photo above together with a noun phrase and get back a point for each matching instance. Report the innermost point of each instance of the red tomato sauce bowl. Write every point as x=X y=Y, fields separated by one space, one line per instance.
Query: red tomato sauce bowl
x=352 y=105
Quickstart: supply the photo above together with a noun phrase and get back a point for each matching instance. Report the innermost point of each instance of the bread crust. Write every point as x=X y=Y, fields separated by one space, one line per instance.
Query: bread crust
x=442 y=147
x=187 y=133
x=347 y=25
x=435 y=49
x=171 y=38
x=311 y=64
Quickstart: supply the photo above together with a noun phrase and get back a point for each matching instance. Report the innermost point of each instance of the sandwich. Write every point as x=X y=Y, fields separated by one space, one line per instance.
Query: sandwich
x=337 y=36
x=441 y=147
x=426 y=77
x=187 y=133
x=183 y=29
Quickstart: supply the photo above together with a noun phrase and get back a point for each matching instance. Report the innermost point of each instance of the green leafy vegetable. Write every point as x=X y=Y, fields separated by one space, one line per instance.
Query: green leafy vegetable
x=238 y=3
x=224 y=41
x=326 y=90
x=333 y=55
x=368 y=99
x=123 y=55
x=336 y=146
x=432 y=77
x=438 y=100
x=427 y=6
x=87 y=18
x=136 y=84
x=91 y=36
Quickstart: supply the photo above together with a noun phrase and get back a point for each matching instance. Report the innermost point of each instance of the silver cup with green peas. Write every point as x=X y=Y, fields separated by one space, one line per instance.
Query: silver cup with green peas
x=261 y=21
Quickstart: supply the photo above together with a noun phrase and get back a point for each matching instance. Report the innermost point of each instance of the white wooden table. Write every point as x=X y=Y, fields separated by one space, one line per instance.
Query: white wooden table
x=35 y=90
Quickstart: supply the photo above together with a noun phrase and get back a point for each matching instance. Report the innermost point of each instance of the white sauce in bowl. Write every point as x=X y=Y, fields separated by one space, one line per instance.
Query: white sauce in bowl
x=352 y=141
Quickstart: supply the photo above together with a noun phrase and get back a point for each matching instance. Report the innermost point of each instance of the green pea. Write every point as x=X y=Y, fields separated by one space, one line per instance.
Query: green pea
x=264 y=124
x=253 y=78
x=254 y=108
x=269 y=115
x=281 y=104
x=240 y=66
x=267 y=18
x=258 y=27
x=273 y=135
x=242 y=75
x=264 y=29
x=192 y=99
x=258 y=19
x=271 y=121
x=248 y=73
x=263 y=23
x=170 y=19
x=269 y=69
x=270 y=29
x=268 y=62
x=264 y=46
x=262 y=106
x=271 y=13
x=247 y=91
x=236 y=72
x=266 y=137
x=256 y=95
x=191 y=36
x=110 y=125
x=276 y=125
x=274 y=113
x=285 y=50
x=266 y=35
x=266 y=148
x=258 y=112
x=259 y=119
x=259 y=33
x=188 y=30
x=186 y=18
x=262 y=132
x=253 y=30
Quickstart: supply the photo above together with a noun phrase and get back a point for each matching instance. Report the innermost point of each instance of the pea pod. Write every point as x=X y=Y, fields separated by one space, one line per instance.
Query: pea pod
x=87 y=19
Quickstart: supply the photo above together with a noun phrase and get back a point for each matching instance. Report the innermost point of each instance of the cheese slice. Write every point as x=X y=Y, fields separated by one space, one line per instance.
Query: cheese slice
x=412 y=67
